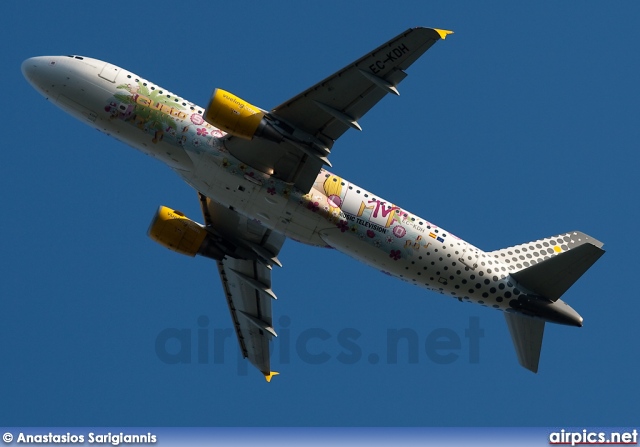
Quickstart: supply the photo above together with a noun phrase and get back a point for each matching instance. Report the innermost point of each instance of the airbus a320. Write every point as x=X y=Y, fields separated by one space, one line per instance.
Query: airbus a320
x=262 y=177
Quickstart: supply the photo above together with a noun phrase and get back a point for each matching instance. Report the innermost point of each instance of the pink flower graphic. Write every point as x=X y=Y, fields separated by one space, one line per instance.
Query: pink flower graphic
x=395 y=255
x=271 y=190
x=202 y=131
x=335 y=201
x=343 y=225
x=399 y=231
x=313 y=206
x=370 y=233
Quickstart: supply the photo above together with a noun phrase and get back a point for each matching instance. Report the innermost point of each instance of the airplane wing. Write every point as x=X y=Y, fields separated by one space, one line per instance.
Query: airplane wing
x=247 y=282
x=314 y=119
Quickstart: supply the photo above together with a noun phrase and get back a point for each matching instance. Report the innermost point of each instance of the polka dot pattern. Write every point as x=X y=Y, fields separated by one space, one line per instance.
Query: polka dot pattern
x=520 y=257
x=417 y=251
x=468 y=274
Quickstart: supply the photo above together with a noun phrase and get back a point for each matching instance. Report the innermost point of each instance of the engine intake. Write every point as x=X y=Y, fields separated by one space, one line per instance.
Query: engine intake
x=174 y=230
x=236 y=116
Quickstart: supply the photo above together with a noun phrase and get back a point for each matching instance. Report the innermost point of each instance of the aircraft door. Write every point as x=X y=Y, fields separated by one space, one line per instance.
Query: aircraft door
x=469 y=257
x=109 y=72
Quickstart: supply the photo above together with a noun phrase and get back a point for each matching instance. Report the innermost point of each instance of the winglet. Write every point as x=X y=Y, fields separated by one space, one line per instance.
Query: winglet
x=443 y=33
x=270 y=375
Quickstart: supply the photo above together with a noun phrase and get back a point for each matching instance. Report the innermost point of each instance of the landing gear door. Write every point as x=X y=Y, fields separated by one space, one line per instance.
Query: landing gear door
x=469 y=257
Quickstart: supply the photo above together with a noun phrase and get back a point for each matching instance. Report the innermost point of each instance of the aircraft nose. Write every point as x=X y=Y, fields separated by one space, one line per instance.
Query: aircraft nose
x=30 y=68
x=35 y=72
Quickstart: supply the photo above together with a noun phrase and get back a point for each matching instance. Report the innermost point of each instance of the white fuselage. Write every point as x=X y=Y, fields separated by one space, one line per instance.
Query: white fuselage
x=334 y=213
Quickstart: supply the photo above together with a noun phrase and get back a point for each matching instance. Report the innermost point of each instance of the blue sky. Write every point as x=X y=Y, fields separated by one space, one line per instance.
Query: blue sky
x=521 y=125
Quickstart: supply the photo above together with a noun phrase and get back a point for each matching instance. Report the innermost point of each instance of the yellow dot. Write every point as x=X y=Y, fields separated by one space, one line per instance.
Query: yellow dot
x=557 y=249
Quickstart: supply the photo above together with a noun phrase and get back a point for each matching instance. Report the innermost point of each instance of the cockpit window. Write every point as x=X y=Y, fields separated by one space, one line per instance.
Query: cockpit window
x=79 y=57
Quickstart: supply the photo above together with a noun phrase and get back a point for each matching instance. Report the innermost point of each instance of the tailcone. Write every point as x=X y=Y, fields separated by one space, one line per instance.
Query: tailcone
x=557 y=312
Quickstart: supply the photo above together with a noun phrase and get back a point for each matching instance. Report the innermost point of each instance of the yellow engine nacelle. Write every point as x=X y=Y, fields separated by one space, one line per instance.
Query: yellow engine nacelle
x=174 y=230
x=236 y=116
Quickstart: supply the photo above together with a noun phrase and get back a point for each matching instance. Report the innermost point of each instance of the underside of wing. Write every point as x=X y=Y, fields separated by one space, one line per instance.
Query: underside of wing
x=332 y=106
x=246 y=279
x=250 y=308
x=310 y=122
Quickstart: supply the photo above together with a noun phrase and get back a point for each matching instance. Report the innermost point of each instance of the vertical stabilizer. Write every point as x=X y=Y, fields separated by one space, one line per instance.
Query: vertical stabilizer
x=526 y=333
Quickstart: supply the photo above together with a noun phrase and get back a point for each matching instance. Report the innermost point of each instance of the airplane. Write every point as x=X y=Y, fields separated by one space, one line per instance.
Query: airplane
x=261 y=177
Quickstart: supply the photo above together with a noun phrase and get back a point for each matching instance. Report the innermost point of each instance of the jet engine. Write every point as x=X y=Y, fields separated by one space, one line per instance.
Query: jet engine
x=177 y=232
x=237 y=117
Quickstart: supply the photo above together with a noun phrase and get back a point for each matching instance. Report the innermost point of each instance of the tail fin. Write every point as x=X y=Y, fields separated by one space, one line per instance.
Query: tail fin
x=526 y=333
x=547 y=268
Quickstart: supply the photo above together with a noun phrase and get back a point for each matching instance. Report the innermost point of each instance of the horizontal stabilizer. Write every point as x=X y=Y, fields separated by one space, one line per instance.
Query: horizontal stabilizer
x=553 y=276
x=521 y=256
x=526 y=333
